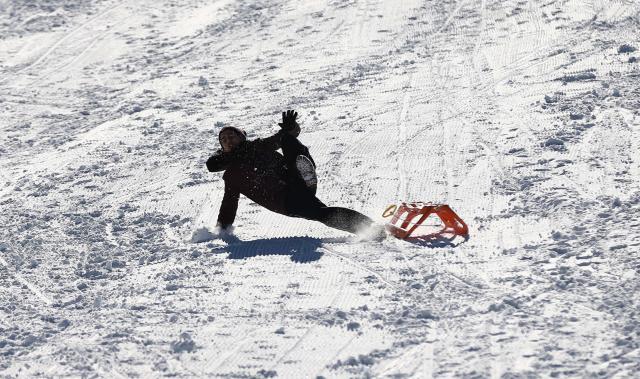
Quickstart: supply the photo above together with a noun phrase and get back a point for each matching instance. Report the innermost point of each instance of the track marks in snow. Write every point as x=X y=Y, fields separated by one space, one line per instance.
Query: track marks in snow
x=67 y=36
x=353 y=262
x=401 y=193
x=33 y=288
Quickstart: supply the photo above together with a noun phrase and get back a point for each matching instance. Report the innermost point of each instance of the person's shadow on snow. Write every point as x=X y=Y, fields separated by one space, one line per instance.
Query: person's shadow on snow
x=301 y=249
x=439 y=240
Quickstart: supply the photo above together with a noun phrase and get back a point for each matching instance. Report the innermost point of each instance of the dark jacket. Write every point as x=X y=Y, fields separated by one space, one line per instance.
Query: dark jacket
x=254 y=169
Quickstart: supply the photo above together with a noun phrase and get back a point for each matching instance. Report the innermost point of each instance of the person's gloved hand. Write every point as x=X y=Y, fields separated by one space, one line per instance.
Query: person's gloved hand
x=289 y=123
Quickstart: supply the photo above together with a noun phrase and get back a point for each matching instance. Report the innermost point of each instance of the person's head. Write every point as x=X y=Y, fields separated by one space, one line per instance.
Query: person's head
x=230 y=137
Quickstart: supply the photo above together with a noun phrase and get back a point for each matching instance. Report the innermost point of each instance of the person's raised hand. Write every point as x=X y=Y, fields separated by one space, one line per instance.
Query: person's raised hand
x=289 y=121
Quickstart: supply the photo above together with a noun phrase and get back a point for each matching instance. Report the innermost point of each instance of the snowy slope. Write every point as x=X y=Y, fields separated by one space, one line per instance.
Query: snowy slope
x=522 y=115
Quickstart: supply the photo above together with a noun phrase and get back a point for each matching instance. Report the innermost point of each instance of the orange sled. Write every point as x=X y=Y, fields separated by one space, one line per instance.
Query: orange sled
x=408 y=218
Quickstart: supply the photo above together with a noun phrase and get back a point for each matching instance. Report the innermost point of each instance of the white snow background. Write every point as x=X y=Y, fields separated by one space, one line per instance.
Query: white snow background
x=521 y=115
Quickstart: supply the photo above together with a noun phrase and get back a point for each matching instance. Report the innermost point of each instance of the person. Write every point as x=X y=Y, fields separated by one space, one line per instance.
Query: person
x=283 y=183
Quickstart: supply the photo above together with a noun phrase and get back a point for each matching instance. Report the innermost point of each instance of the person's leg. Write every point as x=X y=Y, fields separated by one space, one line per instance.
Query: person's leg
x=291 y=148
x=311 y=208
x=300 y=174
x=345 y=219
x=302 y=202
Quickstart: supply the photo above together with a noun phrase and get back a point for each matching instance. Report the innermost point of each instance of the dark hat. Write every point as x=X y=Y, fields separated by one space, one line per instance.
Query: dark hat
x=239 y=131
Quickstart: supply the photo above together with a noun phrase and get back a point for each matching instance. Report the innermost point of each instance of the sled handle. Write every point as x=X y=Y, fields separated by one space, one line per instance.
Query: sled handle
x=391 y=209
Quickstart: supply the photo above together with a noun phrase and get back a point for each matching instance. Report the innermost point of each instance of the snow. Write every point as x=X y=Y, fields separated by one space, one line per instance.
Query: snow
x=202 y=235
x=522 y=116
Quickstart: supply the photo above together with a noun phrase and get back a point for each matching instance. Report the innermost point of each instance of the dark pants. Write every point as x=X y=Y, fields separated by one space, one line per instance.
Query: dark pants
x=302 y=202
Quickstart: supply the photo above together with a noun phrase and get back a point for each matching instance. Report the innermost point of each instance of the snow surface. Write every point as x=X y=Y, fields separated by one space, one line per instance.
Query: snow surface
x=521 y=115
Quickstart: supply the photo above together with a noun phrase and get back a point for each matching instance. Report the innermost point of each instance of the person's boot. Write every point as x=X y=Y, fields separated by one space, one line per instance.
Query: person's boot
x=308 y=172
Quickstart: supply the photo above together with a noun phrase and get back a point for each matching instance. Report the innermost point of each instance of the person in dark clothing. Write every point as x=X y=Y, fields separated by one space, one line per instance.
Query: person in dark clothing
x=283 y=183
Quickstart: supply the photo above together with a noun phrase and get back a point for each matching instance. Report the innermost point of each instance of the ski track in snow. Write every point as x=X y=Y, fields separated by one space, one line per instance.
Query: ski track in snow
x=521 y=115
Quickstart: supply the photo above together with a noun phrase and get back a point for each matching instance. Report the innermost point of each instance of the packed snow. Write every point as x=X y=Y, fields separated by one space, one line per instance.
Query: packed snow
x=523 y=116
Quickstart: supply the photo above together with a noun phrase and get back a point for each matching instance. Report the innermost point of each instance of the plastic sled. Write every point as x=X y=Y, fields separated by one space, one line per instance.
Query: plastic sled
x=408 y=218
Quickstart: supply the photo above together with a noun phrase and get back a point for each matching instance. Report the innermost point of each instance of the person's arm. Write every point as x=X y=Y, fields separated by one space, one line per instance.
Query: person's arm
x=219 y=161
x=229 y=206
x=289 y=125
x=272 y=142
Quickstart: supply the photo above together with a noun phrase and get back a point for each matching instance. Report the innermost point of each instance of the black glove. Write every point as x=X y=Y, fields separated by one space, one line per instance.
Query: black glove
x=289 y=120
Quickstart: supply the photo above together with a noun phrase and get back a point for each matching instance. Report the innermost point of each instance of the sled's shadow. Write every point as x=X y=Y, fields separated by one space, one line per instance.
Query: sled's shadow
x=439 y=240
x=300 y=249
